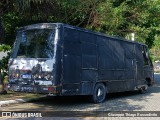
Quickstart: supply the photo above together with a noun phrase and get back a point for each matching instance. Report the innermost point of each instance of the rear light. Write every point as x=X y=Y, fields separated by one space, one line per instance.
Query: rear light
x=43 y=76
x=48 y=76
x=50 y=88
x=8 y=86
x=17 y=75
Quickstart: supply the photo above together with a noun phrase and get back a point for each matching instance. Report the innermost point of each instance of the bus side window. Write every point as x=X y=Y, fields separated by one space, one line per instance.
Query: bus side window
x=145 y=56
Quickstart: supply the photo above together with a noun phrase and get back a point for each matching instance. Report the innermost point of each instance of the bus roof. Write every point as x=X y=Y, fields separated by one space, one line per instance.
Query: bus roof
x=53 y=25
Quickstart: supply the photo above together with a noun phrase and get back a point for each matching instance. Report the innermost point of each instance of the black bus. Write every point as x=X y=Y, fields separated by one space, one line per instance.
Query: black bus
x=63 y=60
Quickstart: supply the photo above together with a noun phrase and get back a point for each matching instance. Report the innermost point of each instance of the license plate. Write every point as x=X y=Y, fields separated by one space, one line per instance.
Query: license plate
x=27 y=88
x=45 y=88
x=26 y=76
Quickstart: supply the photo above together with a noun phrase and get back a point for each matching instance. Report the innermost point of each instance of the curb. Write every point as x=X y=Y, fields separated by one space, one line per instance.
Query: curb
x=16 y=101
x=4 y=103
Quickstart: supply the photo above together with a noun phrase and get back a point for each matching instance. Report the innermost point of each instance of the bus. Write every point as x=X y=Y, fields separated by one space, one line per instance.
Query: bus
x=63 y=60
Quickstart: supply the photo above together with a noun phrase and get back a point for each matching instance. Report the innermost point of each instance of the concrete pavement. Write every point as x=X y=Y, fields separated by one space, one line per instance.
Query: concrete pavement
x=7 y=102
x=21 y=100
x=128 y=102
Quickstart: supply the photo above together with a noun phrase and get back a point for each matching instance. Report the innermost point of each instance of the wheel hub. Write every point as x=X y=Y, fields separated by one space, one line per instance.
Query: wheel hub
x=99 y=93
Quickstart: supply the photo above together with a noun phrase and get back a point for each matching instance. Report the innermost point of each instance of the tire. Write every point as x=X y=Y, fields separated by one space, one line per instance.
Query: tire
x=148 y=82
x=143 y=90
x=99 y=93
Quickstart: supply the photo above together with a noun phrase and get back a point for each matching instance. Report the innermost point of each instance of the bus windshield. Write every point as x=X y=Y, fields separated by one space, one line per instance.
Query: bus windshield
x=35 y=43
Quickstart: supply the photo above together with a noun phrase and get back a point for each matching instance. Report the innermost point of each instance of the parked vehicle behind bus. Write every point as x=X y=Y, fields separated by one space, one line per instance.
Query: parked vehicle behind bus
x=63 y=60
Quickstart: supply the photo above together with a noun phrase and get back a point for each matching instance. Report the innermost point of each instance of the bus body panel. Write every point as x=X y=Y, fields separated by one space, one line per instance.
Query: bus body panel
x=84 y=58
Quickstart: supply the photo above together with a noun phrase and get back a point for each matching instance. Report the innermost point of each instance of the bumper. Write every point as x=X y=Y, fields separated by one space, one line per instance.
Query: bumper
x=36 y=89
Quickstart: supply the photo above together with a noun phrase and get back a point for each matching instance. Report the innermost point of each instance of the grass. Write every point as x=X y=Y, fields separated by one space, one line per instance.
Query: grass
x=18 y=95
x=11 y=95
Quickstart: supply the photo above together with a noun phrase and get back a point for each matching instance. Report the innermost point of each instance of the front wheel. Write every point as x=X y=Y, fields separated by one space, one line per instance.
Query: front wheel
x=99 y=93
x=143 y=90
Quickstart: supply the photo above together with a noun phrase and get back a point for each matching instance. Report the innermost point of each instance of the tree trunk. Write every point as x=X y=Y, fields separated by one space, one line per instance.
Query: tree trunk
x=2 y=91
x=1 y=80
x=1 y=37
x=1 y=32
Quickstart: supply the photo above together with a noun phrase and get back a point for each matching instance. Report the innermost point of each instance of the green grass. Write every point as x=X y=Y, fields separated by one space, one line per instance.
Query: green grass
x=18 y=95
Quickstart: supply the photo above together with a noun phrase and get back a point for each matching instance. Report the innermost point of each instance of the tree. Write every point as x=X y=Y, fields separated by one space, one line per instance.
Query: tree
x=3 y=67
x=1 y=31
x=155 y=51
x=114 y=17
x=123 y=17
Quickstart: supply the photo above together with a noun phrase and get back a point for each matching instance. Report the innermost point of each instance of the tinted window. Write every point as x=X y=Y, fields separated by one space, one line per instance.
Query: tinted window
x=36 y=43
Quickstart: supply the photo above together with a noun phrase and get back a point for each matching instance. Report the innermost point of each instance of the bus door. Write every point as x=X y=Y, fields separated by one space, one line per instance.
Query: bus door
x=71 y=63
x=130 y=61
x=148 y=66
x=139 y=65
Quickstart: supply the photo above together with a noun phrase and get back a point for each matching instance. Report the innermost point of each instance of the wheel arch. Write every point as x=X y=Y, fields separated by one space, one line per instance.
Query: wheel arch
x=149 y=81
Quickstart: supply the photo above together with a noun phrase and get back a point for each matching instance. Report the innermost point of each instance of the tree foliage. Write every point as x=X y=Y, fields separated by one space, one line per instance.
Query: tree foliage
x=113 y=17
x=123 y=17
x=4 y=66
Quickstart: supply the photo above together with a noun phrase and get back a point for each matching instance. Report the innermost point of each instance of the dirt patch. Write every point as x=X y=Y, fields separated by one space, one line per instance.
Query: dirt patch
x=17 y=95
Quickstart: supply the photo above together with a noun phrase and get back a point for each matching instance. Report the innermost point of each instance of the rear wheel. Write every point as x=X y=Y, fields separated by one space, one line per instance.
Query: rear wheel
x=149 y=82
x=143 y=89
x=99 y=93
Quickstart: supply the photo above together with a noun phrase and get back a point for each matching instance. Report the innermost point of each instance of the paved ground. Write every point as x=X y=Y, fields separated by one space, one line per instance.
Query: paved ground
x=126 y=101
